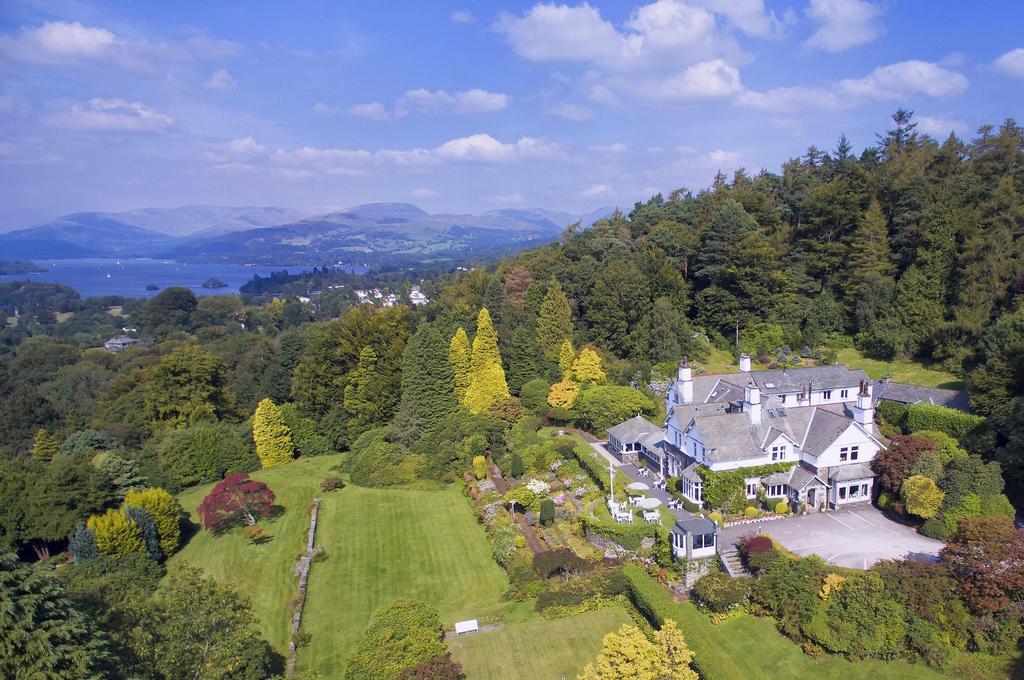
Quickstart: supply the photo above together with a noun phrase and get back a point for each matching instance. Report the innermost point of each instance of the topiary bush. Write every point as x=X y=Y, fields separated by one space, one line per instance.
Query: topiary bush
x=716 y=517
x=782 y=507
x=516 y=468
x=750 y=512
x=547 y=512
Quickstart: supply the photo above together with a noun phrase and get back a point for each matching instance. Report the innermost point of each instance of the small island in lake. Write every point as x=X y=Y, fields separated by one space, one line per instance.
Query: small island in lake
x=214 y=282
x=20 y=267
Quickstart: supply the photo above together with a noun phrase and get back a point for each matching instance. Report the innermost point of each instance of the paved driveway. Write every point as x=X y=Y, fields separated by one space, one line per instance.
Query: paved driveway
x=847 y=538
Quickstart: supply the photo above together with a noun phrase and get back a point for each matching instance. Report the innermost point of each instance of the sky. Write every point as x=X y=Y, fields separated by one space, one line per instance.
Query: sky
x=467 y=107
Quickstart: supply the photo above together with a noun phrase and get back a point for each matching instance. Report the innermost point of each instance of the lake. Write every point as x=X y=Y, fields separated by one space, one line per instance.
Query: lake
x=129 y=277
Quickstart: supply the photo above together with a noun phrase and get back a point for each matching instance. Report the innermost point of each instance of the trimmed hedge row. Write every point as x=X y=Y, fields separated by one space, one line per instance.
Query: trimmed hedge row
x=626 y=535
x=596 y=470
x=949 y=420
x=653 y=601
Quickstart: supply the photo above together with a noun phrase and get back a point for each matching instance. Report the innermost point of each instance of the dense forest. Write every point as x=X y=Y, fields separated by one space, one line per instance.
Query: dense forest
x=912 y=249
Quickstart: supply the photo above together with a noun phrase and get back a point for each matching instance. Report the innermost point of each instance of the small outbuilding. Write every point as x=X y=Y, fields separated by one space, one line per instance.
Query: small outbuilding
x=119 y=343
x=694 y=538
x=625 y=439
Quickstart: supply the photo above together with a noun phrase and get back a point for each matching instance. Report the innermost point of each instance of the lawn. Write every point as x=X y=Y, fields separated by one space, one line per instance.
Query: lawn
x=900 y=370
x=263 y=573
x=389 y=544
x=540 y=649
x=751 y=647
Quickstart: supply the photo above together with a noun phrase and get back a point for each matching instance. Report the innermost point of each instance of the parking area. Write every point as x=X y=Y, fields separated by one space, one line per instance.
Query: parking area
x=847 y=538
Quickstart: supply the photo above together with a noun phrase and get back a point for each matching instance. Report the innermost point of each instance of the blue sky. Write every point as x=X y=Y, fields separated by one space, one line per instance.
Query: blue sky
x=463 y=108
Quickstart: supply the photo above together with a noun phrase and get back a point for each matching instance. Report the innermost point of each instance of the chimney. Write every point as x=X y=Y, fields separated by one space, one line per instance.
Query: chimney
x=684 y=382
x=752 y=402
x=863 y=411
x=744 y=363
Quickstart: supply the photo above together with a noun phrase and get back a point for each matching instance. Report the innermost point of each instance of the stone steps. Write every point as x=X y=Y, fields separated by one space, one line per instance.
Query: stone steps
x=731 y=560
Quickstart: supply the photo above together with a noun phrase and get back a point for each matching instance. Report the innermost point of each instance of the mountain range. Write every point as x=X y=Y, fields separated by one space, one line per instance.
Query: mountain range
x=365 y=233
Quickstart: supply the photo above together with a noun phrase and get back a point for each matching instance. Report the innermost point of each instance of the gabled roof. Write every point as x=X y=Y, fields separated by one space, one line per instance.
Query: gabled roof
x=916 y=394
x=633 y=429
x=732 y=436
x=690 y=472
x=687 y=412
x=824 y=428
x=795 y=379
x=847 y=473
x=800 y=477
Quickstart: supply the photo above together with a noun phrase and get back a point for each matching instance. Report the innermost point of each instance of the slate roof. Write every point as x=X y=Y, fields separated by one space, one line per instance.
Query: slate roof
x=690 y=472
x=916 y=394
x=795 y=379
x=801 y=477
x=696 y=525
x=847 y=473
x=685 y=412
x=733 y=437
x=824 y=428
x=633 y=429
x=653 y=440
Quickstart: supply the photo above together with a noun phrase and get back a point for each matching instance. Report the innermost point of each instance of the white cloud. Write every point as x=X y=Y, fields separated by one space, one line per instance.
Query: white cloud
x=320 y=109
x=892 y=82
x=940 y=127
x=597 y=191
x=476 y=100
x=72 y=43
x=424 y=193
x=570 y=111
x=112 y=115
x=707 y=79
x=666 y=50
x=614 y=148
x=1012 y=63
x=843 y=24
x=370 y=111
x=725 y=159
x=750 y=16
x=462 y=16
x=480 y=101
x=220 y=80
x=246 y=155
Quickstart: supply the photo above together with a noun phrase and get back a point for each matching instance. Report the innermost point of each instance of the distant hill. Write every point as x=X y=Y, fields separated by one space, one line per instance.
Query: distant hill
x=363 y=233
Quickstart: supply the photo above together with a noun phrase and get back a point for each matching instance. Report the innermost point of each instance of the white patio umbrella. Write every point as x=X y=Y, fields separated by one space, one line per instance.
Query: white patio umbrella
x=638 y=486
x=648 y=503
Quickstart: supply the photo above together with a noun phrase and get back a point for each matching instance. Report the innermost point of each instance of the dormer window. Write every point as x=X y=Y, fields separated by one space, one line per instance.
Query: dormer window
x=779 y=452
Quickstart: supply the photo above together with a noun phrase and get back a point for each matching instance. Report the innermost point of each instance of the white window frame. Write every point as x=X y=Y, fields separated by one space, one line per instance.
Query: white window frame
x=827 y=394
x=779 y=452
x=843 y=394
x=752 y=490
x=854 y=452
x=779 y=488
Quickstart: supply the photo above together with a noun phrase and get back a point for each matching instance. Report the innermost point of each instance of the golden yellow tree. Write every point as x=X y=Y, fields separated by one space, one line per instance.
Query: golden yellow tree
x=115 y=533
x=272 y=436
x=566 y=356
x=587 y=369
x=563 y=394
x=628 y=655
x=487 y=386
x=45 y=446
x=166 y=513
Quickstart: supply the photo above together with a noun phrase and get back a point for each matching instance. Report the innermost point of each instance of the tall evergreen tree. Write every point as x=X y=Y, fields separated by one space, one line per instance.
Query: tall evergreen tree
x=870 y=259
x=487 y=386
x=522 y=359
x=554 y=322
x=45 y=446
x=44 y=635
x=271 y=435
x=730 y=225
x=427 y=377
x=566 y=355
x=361 y=395
x=458 y=357
x=147 y=528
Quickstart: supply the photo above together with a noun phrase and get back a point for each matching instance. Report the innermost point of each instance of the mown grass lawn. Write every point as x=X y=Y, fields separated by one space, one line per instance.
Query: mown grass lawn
x=263 y=573
x=901 y=370
x=385 y=545
x=750 y=647
x=538 y=649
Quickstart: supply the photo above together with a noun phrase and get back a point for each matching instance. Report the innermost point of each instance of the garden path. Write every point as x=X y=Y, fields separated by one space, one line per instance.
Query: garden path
x=532 y=540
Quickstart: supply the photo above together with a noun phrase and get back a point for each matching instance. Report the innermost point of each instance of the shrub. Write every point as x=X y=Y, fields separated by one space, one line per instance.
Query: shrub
x=332 y=484
x=782 y=507
x=720 y=592
x=716 y=517
x=236 y=499
x=479 y=467
x=165 y=511
x=257 y=535
x=921 y=496
x=951 y=421
x=438 y=668
x=893 y=413
x=534 y=396
x=750 y=512
x=402 y=635
x=88 y=441
x=600 y=407
x=752 y=545
x=628 y=536
x=884 y=499
x=561 y=561
x=516 y=468
x=547 y=512
x=935 y=528
x=116 y=534
x=564 y=394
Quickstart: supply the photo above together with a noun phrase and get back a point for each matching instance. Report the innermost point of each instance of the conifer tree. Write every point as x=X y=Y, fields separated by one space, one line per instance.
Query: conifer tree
x=144 y=521
x=82 y=544
x=587 y=368
x=487 y=386
x=458 y=357
x=362 y=393
x=115 y=533
x=870 y=258
x=45 y=446
x=554 y=322
x=566 y=357
x=522 y=359
x=427 y=377
x=166 y=512
x=271 y=435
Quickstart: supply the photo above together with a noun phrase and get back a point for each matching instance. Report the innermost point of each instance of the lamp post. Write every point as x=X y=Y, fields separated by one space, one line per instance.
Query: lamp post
x=611 y=481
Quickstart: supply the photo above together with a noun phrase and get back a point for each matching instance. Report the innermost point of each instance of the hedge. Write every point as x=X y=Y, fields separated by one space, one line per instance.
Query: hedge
x=597 y=471
x=626 y=535
x=949 y=420
x=894 y=413
x=653 y=601
x=725 y=486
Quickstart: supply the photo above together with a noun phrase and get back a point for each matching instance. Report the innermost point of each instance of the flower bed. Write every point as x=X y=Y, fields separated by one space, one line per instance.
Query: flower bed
x=767 y=517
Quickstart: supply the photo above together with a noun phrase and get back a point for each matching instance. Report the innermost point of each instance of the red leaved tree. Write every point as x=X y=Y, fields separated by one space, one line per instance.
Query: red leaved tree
x=893 y=464
x=236 y=499
x=986 y=557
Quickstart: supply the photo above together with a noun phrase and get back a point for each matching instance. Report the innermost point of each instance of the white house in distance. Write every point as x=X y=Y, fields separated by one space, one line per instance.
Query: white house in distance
x=819 y=418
